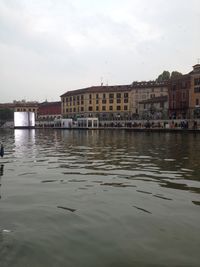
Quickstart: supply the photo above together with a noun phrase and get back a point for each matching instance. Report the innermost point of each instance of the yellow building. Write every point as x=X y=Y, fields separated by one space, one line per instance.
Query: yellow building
x=110 y=102
x=104 y=102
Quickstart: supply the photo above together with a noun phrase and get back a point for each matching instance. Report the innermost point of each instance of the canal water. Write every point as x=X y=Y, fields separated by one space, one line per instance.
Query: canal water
x=99 y=198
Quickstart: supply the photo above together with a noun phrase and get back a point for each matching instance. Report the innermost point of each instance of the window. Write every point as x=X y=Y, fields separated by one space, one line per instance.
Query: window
x=125 y=100
x=197 y=89
x=197 y=81
x=111 y=108
x=97 y=96
x=111 y=101
x=82 y=97
x=197 y=102
x=118 y=101
x=104 y=95
x=90 y=96
x=125 y=107
x=174 y=87
x=118 y=107
x=90 y=108
x=118 y=95
x=103 y=101
x=103 y=107
x=111 y=95
x=82 y=102
x=90 y=102
x=183 y=84
x=125 y=95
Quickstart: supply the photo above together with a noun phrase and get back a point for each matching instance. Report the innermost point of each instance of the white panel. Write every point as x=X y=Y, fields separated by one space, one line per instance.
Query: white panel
x=24 y=119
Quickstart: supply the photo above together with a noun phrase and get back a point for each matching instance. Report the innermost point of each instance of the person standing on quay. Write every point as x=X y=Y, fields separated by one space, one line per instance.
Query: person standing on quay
x=2 y=151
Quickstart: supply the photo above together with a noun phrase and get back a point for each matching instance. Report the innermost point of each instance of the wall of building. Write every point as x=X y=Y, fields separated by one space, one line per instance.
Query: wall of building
x=49 y=110
x=194 y=101
x=110 y=102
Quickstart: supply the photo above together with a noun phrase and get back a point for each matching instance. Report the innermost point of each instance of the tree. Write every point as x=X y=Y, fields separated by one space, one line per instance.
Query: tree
x=6 y=114
x=165 y=76
x=175 y=74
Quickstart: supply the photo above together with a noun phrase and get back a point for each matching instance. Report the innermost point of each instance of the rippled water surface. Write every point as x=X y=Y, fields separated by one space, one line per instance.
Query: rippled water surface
x=99 y=198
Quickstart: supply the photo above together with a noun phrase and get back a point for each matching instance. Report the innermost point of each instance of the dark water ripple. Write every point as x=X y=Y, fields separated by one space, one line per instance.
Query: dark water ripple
x=99 y=198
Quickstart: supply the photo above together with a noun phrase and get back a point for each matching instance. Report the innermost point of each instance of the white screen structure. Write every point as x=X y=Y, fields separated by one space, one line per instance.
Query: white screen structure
x=24 y=119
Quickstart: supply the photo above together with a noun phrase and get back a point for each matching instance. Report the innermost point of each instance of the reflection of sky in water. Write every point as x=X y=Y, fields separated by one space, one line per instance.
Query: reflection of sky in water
x=24 y=143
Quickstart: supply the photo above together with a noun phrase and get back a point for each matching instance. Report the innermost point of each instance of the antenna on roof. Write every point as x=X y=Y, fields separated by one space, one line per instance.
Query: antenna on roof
x=101 y=81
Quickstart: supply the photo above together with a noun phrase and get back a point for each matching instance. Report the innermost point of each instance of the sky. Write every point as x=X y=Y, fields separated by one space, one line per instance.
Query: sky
x=49 y=47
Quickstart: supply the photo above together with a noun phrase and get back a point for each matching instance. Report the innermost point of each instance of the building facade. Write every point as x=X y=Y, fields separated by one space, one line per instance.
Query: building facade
x=194 y=99
x=142 y=91
x=155 y=108
x=120 y=102
x=49 y=110
x=103 y=102
x=179 y=93
x=184 y=95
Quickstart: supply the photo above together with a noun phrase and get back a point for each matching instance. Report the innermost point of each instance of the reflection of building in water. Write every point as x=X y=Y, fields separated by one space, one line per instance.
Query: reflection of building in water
x=1 y=174
x=24 y=142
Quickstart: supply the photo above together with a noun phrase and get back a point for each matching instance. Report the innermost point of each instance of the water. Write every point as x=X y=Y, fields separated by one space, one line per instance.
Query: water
x=99 y=198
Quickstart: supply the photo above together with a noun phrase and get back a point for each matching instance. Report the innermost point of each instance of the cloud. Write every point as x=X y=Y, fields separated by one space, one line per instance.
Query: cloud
x=52 y=46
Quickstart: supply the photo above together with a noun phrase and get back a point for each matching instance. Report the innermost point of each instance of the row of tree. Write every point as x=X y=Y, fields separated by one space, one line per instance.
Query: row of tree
x=6 y=114
x=166 y=75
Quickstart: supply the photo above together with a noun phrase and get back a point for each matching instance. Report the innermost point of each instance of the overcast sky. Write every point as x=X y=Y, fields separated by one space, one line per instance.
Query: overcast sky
x=48 y=47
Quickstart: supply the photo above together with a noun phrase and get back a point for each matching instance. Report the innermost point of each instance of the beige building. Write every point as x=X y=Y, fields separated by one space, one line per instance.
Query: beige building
x=142 y=91
x=110 y=102
x=24 y=106
x=154 y=108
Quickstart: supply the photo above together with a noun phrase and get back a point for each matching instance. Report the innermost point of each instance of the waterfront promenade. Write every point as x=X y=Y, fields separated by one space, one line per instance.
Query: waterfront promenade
x=134 y=125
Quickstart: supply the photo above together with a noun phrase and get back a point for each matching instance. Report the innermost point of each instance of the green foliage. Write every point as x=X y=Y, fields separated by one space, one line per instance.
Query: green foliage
x=175 y=74
x=165 y=76
x=6 y=114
